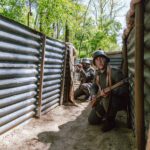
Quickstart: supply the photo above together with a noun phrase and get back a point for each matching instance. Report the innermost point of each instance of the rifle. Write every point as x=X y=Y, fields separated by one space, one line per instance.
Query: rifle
x=108 y=89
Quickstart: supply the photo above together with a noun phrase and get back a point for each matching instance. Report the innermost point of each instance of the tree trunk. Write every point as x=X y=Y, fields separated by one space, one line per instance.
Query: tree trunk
x=40 y=22
x=58 y=30
x=83 y=26
x=53 y=30
x=67 y=33
x=29 y=13
x=81 y=44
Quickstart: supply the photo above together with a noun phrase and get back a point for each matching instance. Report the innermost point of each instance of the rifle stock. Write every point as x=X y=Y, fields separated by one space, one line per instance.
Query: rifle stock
x=108 y=89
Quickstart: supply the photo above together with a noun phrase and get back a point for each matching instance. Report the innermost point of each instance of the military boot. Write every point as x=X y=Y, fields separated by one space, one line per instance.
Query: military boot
x=109 y=124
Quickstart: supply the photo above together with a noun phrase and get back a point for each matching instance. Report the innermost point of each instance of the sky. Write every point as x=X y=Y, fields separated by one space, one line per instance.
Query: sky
x=124 y=11
x=122 y=20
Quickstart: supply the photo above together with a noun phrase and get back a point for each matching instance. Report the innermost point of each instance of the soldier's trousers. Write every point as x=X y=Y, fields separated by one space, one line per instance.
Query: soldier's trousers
x=98 y=112
x=83 y=89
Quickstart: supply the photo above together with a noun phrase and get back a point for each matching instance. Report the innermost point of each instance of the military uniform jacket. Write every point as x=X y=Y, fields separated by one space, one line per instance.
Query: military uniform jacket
x=116 y=76
x=87 y=75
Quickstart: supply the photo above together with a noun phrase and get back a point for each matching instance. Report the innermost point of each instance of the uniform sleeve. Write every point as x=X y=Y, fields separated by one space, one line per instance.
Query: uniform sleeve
x=94 y=87
x=116 y=77
x=88 y=75
x=77 y=70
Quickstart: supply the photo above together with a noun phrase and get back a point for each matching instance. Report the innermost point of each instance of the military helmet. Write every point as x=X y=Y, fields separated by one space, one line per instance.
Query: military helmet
x=86 y=60
x=99 y=53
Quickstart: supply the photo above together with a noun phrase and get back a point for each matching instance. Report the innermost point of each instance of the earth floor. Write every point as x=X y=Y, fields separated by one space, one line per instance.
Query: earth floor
x=67 y=128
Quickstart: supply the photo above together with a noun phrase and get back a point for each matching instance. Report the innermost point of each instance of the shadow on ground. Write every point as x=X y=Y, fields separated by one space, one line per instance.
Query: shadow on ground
x=79 y=135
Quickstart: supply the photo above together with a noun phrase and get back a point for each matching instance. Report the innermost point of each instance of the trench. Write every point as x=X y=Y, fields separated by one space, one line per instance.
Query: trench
x=66 y=128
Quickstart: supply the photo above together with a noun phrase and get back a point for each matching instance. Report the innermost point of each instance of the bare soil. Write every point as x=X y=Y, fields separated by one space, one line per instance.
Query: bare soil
x=67 y=128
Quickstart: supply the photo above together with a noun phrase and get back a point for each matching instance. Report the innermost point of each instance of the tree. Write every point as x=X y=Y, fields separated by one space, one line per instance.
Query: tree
x=13 y=9
x=91 y=25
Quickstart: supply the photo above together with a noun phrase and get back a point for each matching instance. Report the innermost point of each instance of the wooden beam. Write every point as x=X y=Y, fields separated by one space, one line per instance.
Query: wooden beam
x=139 y=75
x=41 y=77
x=63 y=77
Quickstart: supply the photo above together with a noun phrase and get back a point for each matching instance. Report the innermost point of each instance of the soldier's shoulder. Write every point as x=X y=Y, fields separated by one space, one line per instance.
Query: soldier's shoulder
x=91 y=68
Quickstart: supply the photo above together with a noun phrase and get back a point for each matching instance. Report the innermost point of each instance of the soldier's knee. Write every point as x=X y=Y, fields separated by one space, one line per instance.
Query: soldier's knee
x=85 y=89
x=118 y=103
x=93 y=119
x=83 y=86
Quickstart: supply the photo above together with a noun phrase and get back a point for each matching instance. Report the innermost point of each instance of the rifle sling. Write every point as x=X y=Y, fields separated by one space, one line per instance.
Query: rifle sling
x=110 y=96
x=109 y=76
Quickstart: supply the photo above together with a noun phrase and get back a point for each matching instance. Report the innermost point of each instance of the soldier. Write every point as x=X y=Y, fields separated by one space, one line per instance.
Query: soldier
x=109 y=103
x=86 y=77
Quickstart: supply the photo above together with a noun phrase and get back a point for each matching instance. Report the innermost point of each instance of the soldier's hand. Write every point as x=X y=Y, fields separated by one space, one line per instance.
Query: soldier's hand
x=80 y=66
x=93 y=100
x=104 y=94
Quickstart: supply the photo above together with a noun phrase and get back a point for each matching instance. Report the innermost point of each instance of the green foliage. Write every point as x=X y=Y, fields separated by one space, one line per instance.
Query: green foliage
x=105 y=36
x=50 y=16
x=13 y=9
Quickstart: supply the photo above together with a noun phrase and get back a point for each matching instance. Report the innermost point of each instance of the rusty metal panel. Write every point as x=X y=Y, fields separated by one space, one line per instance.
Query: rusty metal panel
x=20 y=50
x=53 y=71
x=131 y=72
x=147 y=65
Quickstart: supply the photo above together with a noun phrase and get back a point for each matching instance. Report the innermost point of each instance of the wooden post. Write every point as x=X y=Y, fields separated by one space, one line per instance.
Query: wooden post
x=41 y=77
x=125 y=58
x=139 y=75
x=113 y=52
x=63 y=77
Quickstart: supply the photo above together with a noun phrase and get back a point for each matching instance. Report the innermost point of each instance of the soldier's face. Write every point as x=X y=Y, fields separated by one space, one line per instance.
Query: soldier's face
x=85 y=65
x=100 y=62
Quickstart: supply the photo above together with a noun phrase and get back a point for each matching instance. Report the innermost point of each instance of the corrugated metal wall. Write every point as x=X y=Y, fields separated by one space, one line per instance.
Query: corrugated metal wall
x=20 y=68
x=53 y=70
x=116 y=60
x=19 y=59
x=131 y=72
x=131 y=69
x=147 y=65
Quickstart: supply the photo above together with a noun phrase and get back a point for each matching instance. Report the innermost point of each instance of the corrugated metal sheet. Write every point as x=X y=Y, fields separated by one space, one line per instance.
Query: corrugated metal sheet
x=116 y=60
x=53 y=71
x=21 y=77
x=131 y=71
x=19 y=58
x=147 y=65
